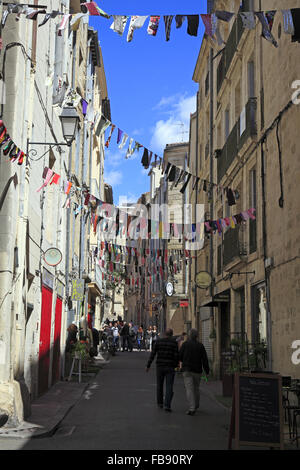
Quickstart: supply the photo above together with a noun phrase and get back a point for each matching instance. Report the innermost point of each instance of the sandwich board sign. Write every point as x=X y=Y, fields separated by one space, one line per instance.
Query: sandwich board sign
x=77 y=289
x=257 y=415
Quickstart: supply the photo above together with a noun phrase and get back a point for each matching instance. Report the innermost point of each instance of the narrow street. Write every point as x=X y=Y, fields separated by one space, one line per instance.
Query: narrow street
x=118 y=412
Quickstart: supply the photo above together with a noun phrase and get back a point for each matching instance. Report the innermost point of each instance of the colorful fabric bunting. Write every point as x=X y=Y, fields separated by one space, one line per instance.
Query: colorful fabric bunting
x=119 y=24
x=136 y=22
x=153 y=25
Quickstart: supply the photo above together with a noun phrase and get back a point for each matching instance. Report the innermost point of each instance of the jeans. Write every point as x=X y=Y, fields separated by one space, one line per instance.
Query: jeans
x=164 y=374
x=192 y=387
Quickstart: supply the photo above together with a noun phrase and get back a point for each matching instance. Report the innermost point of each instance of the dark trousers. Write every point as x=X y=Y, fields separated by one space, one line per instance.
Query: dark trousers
x=125 y=342
x=167 y=375
x=129 y=342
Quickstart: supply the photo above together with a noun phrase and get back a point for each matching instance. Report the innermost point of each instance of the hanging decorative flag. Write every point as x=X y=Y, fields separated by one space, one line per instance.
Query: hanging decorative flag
x=67 y=187
x=179 y=19
x=55 y=179
x=153 y=25
x=123 y=141
x=109 y=138
x=193 y=24
x=266 y=32
x=208 y=24
x=94 y=10
x=119 y=136
x=47 y=179
x=168 y=24
x=119 y=24
x=136 y=22
x=288 y=24
x=63 y=24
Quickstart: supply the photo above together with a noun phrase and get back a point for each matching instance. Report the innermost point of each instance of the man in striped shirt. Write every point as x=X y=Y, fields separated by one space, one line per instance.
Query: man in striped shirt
x=166 y=350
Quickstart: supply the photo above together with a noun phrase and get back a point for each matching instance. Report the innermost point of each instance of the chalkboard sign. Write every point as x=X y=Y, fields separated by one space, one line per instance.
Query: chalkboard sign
x=257 y=409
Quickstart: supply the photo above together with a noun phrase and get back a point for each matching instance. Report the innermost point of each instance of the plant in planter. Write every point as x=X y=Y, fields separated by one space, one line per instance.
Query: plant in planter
x=80 y=350
x=258 y=356
x=238 y=362
x=213 y=335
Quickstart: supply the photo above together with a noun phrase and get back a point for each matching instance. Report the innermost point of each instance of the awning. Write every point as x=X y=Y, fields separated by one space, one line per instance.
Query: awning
x=216 y=300
x=94 y=289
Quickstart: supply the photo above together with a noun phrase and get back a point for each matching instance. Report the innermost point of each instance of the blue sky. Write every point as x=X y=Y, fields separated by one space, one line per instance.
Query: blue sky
x=150 y=86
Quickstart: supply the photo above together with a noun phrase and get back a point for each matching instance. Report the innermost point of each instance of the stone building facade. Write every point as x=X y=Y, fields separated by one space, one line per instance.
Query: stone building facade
x=41 y=68
x=246 y=139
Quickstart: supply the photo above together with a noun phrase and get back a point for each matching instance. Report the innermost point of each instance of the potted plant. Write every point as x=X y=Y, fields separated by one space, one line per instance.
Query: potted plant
x=80 y=350
x=213 y=335
x=238 y=356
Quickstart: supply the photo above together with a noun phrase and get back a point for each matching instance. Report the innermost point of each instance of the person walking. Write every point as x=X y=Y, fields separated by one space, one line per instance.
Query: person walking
x=166 y=350
x=131 y=337
x=149 y=338
x=193 y=359
x=125 y=335
x=155 y=336
x=116 y=335
x=140 y=337
x=181 y=339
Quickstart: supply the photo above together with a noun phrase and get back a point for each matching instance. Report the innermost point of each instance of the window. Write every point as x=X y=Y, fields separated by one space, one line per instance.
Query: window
x=237 y=100
x=58 y=82
x=219 y=136
x=207 y=84
x=226 y=124
x=239 y=320
x=252 y=202
x=251 y=80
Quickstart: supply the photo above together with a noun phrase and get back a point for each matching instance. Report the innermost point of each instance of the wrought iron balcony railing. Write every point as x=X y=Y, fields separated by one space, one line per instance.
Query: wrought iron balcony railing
x=244 y=128
x=229 y=50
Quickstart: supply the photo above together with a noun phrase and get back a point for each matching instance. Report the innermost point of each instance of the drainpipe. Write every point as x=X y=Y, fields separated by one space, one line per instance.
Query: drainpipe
x=211 y=170
x=196 y=202
x=263 y=216
x=84 y=165
x=68 y=222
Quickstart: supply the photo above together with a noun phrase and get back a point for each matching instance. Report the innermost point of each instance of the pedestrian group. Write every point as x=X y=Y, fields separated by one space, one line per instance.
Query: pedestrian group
x=183 y=354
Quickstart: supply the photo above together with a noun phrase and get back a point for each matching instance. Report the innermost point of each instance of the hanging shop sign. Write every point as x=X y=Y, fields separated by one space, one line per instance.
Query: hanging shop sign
x=169 y=289
x=77 y=290
x=53 y=256
x=203 y=279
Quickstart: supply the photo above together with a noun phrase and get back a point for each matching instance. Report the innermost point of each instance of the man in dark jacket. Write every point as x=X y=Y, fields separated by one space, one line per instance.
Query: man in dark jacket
x=124 y=333
x=193 y=359
x=166 y=350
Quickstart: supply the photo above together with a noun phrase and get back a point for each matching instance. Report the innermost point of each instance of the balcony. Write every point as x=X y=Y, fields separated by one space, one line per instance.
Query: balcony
x=233 y=246
x=244 y=128
x=229 y=50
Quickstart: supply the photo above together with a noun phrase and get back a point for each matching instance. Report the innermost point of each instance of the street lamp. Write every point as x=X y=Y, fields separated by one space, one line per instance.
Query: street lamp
x=69 y=122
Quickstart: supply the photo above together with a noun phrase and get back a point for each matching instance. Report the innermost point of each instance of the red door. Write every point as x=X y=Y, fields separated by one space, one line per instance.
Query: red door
x=44 y=350
x=56 y=344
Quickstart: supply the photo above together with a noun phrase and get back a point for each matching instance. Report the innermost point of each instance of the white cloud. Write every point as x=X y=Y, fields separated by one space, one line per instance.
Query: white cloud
x=128 y=198
x=113 y=158
x=166 y=101
x=176 y=127
x=113 y=178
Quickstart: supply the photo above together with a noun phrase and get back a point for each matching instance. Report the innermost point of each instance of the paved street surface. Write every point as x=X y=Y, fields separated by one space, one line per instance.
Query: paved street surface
x=117 y=411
